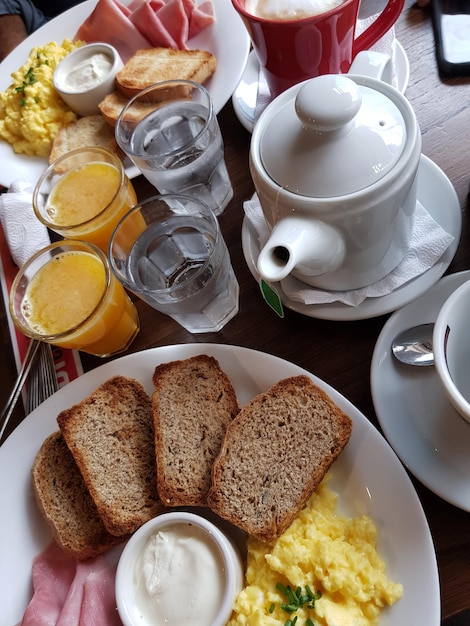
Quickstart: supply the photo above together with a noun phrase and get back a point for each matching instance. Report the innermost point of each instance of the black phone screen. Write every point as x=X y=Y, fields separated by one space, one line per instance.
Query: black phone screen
x=451 y=19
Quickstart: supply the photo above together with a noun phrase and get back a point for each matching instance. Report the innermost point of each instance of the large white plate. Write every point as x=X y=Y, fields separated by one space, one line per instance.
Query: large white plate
x=439 y=198
x=227 y=39
x=367 y=474
x=429 y=436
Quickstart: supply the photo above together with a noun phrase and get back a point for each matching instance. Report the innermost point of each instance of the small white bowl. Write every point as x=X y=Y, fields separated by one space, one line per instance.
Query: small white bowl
x=85 y=76
x=197 y=566
x=451 y=347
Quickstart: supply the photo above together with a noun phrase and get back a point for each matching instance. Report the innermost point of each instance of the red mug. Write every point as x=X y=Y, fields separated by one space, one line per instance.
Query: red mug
x=291 y=51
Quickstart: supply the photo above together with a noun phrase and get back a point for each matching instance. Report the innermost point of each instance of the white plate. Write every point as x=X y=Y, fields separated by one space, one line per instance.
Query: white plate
x=368 y=475
x=429 y=436
x=438 y=196
x=227 y=39
x=245 y=95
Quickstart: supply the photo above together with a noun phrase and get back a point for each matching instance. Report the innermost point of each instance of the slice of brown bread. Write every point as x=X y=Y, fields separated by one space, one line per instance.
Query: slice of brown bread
x=65 y=502
x=193 y=403
x=110 y=434
x=154 y=65
x=274 y=455
x=91 y=130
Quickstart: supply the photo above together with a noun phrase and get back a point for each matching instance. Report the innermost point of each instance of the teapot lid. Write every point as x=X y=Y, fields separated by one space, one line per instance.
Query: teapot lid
x=332 y=137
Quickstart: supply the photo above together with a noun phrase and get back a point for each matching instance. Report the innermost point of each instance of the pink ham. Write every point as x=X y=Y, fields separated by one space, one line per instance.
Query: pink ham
x=146 y=20
x=53 y=573
x=71 y=593
x=109 y=22
x=174 y=18
x=202 y=17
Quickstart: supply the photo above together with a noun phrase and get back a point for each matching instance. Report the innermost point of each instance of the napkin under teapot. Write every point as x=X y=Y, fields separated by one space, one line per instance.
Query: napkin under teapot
x=428 y=243
x=24 y=233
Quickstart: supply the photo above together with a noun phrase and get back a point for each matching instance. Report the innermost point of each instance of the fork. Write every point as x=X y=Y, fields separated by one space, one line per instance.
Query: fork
x=42 y=381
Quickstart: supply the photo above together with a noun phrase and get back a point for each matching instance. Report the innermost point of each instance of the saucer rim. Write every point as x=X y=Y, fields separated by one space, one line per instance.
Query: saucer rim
x=409 y=422
x=400 y=60
x=375 y=307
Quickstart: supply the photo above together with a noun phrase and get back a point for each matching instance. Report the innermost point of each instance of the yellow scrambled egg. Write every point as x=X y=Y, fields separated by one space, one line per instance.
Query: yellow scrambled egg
x=31 y=111
x=325 y=555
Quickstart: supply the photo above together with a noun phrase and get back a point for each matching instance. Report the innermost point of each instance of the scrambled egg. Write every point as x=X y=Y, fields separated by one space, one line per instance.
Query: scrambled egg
x=331 y=559
x=31 y=111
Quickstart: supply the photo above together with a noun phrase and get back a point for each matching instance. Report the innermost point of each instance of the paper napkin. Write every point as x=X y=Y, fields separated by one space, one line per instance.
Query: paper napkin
x=24 y=233
x=429 y=242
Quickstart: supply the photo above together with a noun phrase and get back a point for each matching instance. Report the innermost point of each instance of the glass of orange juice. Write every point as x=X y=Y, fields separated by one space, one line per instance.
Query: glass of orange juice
x=67 y=295
x=83 y=195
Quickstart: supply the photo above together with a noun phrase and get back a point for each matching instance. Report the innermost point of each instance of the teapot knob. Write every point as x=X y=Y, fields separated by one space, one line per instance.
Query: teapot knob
x=327 y=103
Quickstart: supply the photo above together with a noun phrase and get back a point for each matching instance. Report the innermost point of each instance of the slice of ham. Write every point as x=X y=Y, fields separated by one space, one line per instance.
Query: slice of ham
x=202 y=17
x=71 y=593
x=174 y=17
x=146 y=24
x=109 y=22
x=146 y=20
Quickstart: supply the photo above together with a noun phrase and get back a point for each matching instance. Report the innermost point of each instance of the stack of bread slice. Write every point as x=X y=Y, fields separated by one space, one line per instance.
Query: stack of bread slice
x=129 y=456
x=144 y=69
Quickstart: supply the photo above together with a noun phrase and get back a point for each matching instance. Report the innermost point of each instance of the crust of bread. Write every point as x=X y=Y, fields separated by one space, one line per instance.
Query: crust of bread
x=113 y=104
x=153 y=65
x=193 y=404
x=274 y=455
x=110 y=434
x=66 y=504
x=86 y=131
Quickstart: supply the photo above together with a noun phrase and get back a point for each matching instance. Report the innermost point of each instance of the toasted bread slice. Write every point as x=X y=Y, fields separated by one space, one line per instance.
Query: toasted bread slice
x=154 y=65
x=110 y=434
x=86 y=131
x=193 y=403
x=275 y=453
x=65 y=502
x=113 y=104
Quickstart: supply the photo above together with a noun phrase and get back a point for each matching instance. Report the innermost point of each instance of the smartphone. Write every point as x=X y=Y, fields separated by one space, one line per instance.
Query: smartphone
x=451 y=22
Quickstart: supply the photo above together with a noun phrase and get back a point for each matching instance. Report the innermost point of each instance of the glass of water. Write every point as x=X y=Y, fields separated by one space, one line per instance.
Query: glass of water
x=169 y=251
x=171 y=133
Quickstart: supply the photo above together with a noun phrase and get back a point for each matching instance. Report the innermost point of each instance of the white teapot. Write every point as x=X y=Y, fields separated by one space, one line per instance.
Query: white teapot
x=334 y=161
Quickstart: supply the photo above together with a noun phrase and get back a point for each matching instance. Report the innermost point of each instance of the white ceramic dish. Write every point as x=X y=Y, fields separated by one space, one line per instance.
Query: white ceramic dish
x=438 y=196
x=227 y=40
x=367 y=474
x=429 y=436
x=245 y=95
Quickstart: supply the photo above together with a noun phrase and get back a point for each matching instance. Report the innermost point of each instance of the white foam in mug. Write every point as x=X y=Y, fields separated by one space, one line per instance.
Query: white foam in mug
x=289 y=9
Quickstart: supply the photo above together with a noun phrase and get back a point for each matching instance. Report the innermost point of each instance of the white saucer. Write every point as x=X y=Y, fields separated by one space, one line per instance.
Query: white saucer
x=428 y=435
x=438 y=196
x=245 y=95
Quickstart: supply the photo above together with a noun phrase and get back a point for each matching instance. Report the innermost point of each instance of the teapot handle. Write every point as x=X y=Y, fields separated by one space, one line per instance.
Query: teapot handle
x=374 y=65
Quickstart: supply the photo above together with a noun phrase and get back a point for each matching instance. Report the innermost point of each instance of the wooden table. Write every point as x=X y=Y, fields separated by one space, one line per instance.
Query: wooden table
x=338 y=352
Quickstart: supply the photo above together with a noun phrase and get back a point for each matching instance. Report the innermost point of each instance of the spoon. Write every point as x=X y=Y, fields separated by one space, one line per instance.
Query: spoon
x=414 y=346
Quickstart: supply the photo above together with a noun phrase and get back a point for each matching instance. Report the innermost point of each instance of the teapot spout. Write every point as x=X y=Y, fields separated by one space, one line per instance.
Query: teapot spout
x=308 y=247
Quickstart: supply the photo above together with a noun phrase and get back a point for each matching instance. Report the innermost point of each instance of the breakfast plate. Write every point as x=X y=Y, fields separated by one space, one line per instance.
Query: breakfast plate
x=429 y=436
x=368 y=475
x=437 y=195
x=245 y=96
x=227 y=39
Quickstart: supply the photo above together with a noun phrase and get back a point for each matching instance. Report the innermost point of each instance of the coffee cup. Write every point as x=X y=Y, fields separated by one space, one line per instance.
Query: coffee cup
x=451 y=347
x=295 y=46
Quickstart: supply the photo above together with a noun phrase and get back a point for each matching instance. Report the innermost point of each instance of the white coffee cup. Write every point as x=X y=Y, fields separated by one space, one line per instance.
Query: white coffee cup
x=451 y=347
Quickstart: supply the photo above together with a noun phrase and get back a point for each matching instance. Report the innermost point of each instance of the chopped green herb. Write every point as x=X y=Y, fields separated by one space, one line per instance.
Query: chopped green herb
x=272 y=607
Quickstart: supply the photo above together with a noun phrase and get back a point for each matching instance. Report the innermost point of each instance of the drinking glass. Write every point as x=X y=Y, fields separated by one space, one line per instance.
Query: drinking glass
x=67 y=295
x=83 y=195
x=170 y=252
x=171 y=133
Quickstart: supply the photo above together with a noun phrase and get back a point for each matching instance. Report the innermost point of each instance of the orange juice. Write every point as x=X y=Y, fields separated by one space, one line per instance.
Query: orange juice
x=73 y=300
x=83 y=195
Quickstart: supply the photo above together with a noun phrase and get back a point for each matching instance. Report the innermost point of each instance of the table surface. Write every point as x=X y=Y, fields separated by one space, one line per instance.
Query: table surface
x=328 y=348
